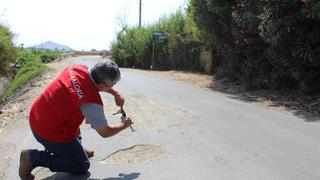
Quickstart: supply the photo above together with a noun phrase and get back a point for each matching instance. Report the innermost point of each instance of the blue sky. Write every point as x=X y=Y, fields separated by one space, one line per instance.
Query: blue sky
x=80 y=24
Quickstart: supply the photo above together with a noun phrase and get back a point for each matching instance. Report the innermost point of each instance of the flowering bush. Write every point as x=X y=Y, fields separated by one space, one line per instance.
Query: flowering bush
x=265 y=43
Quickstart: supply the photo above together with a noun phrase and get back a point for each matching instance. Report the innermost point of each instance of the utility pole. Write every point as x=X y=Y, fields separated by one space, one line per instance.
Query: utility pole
x=140 y=13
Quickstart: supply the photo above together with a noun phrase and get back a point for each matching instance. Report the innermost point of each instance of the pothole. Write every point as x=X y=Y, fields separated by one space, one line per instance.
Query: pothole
x=137 y=154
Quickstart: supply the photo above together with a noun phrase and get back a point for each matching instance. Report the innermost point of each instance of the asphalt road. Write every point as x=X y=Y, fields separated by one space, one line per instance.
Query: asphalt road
x=186 y=132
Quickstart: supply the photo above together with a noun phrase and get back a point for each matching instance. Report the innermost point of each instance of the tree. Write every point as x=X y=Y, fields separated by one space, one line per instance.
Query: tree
x=8 y=53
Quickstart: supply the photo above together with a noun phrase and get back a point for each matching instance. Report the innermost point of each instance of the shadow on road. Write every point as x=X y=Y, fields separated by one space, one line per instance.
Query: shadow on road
x=68 y=176
x=65 y=176
x=302 y=105
x=123 y=177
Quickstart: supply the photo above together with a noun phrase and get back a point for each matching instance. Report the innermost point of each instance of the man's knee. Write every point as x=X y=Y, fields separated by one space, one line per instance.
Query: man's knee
x=83 y=167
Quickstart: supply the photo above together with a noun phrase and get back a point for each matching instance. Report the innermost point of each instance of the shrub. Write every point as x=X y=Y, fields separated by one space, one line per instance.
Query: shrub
x=8 y=52
x=28 y=71
x=134 y=46
x=265 y=44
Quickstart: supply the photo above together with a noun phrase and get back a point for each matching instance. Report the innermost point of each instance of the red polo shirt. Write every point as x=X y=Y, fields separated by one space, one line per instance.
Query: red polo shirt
x=55 y=115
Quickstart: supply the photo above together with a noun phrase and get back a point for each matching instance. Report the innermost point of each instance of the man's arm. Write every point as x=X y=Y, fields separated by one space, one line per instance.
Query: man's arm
x=111 y=130
x=113 y=92
x=117 y=96
x=95 y=117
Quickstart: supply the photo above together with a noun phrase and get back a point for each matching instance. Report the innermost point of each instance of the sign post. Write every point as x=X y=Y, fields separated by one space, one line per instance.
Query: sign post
x=158 y=37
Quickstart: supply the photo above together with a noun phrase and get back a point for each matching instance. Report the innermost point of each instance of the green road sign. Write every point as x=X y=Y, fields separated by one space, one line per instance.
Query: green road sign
x=159 y=37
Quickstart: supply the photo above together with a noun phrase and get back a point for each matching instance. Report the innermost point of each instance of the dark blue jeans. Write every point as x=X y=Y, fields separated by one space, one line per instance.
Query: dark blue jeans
x=60 y=157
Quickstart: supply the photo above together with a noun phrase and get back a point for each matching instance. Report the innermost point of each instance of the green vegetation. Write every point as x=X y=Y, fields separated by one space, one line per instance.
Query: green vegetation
x=48 y=56
x=29 y=64
x=264 y=44
x=8 y=52
x=134 y=46
x=19 y=63
x=261 y=44
x=28 y=71
x=25 y=55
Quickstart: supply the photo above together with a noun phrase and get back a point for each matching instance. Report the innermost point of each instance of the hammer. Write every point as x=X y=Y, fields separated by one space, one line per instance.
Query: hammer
x=123 y=115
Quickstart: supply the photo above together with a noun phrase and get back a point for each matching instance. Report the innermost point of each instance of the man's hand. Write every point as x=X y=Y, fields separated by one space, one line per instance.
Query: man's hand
x=111 y=130
x=127 y=121
x=119 y=100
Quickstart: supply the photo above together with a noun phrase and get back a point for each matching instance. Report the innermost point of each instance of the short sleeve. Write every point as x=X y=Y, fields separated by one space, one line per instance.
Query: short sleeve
x=94 y=115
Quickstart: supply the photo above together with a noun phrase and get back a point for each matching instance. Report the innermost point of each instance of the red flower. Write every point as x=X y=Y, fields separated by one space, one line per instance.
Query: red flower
x=237 y=41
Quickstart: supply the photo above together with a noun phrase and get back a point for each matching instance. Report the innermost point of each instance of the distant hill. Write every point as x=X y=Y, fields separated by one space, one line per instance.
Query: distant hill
x=49 y=45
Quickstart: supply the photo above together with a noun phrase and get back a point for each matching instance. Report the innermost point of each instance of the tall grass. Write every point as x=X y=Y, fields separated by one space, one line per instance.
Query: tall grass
x=31 y=69
x=134 y=46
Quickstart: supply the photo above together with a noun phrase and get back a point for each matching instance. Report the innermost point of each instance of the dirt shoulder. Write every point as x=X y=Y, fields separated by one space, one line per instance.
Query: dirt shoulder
x=288 y=101
x=22 y=99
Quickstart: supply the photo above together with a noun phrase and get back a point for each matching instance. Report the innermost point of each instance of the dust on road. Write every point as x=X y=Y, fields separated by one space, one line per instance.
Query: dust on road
x=137 y=154
x=152 y=111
